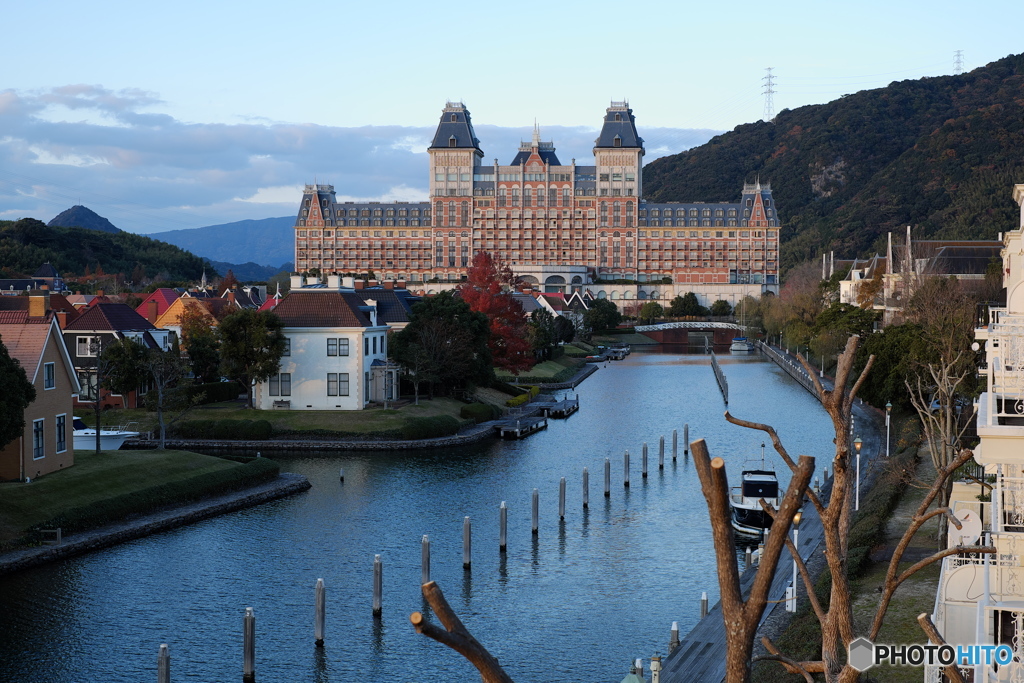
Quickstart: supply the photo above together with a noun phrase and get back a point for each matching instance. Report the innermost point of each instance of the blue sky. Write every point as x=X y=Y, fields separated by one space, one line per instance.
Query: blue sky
x=171 y=115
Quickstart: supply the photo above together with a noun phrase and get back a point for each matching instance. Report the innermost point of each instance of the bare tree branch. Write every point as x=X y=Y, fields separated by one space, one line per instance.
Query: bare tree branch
x=813 y=667
x=791 y=666
x=456 y=636
x=952 y=671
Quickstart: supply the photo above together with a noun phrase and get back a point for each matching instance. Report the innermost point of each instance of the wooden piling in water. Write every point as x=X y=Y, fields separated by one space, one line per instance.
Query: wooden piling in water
x=249 y=645
x=625 y=470
x=586 y=488
x=320 y=612
x=673 y=639
x=163 y=665
x=467 y=543
x=661 y=453
x=502 y=527
x=675 y=444
x=686 y=438
x=643 y=462
x=561 y=498
x=607 y=477
x=425 y=559
x=378 y=585
x=341 y=475
x=536 y=511
x=703 y=604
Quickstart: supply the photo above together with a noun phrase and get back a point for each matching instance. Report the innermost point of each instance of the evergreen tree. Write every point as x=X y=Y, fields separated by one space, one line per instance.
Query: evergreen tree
x=251 y=345
x=17 y=394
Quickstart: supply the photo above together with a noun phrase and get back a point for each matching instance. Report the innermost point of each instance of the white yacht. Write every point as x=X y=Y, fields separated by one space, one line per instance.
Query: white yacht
x=110 y=439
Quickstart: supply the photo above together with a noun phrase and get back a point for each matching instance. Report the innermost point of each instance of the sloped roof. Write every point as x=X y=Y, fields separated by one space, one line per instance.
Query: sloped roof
x=13 y=317
x=108 y=316
x=528 y=303
x=164 y=297
x=555 y=301
x=26 y=341
x=213 y=308
x=455 y=130
x=20 y=303
x=619 y=123
x=270 y=304
x=321 y=308
x=46 y=270
x=393 y=306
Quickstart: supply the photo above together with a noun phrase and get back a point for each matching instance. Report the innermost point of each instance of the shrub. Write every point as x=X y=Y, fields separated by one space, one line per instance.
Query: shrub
x=430 y=427
x=517 y=401
x=478 y=412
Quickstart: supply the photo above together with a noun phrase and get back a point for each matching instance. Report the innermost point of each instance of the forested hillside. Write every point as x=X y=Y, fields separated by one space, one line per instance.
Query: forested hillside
x=27 y=243
x=939 y=154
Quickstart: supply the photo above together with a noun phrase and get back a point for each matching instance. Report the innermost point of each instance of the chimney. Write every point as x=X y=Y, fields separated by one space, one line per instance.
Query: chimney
x=152 y=311
x=347 y=281
x=296 y=281
x=358 y=284
x=44 y=286
x=373 y=312
x=372 y=283
x=400 y=284
x=231 y=295
x=99 y=292
x=312 y=280
x=389 y=284
x=334 y=281
x=38 y=304
x=62 y=318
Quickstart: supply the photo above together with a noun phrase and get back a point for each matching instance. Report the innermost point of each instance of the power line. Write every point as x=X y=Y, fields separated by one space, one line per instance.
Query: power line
x=769 y=91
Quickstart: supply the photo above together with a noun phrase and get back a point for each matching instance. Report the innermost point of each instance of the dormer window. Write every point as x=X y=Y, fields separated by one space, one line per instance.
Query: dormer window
x=454 y=118
x=617 y=142
x=618 y=117
x=451 y=141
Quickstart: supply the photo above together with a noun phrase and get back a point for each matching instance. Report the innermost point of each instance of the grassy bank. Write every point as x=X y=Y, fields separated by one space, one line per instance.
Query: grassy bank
x=109 y=486
x=371 y=421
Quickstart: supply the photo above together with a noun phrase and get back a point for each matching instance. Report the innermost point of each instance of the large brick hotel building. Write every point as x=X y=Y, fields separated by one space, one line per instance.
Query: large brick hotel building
x=560 y=226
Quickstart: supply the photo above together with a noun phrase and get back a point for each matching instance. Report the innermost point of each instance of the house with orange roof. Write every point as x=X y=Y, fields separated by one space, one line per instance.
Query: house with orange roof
x=211 y=308
x=33 y=337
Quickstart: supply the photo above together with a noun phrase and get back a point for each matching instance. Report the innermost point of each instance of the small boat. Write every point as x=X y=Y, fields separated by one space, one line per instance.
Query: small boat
x=741 y=344
x=744 y=501
x=110 y=439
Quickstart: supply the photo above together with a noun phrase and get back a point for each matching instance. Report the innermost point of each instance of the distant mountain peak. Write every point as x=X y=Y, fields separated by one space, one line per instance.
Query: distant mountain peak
x=79 y=216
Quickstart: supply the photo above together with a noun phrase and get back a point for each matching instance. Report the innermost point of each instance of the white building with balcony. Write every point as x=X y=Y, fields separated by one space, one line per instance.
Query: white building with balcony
x=980 y=600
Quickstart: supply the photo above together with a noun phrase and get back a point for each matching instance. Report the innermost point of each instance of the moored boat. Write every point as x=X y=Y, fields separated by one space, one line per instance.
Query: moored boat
x=748 y=517
x=741 y=344
x=110 y=439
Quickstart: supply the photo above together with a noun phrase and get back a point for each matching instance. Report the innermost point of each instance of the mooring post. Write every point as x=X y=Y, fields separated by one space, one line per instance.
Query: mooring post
x=607 y=477
x=586 y=488
x=425 y=559
x=825 y=474
x=249 y=645
x=643 y=462
x=561 y=498
x=817 y=487
x=467 y=543
x=661 y=453
x=675 y=444
x=320 y=613
x=673 y=638
x=625 y=470
x=502 y=527
x=536 y=511
x=163 y=665
x=378 y=585
x=341 y=474
x=748 y=559
x=686 y=438
x=703 y=604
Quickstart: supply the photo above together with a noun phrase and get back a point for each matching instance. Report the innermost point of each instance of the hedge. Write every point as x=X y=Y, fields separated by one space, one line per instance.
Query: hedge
x=506 y=388
x=215 y=392
x=518 y=400
x=479 y=412
x=147 y=500
x=430 y=427
x=242 y=430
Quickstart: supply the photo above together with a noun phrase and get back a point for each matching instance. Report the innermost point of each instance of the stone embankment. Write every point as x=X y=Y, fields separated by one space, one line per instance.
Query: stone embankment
x=75 y=544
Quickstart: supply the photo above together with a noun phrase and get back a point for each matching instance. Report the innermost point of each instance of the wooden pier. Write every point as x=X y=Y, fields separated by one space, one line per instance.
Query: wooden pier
x=563 y=409
x=520 y=427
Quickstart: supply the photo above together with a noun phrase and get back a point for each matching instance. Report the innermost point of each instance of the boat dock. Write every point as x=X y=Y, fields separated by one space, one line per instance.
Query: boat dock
x=520 y=427
x=563 y=409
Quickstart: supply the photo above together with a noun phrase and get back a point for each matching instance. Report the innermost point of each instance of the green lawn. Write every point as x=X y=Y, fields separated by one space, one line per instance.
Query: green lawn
x=96 y=478
x=360 y=421
x=633 y=339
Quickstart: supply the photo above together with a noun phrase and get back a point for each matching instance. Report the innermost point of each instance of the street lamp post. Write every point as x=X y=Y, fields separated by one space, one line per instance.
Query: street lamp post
x=857 y=444
x=888 y=414
x=796 y=544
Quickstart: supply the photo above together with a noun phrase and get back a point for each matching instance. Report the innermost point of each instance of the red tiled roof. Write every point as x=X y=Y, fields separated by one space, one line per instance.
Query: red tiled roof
x=25 y=342
x=8 y=317
x=107 y=316
x=322 y=309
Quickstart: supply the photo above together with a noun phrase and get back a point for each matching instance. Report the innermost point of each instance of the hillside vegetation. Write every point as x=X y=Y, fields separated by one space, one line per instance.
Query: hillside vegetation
x=28 y=243
x=939 y=154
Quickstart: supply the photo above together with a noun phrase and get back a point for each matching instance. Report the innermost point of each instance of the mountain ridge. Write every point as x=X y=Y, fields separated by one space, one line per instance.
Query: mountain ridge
x=79 y=216
x=264 y=241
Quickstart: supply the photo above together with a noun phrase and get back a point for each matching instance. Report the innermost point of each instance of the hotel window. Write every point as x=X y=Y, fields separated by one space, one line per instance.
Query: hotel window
x=281 y=384
x=49 y=376
x=38 y=440
x=62 y=433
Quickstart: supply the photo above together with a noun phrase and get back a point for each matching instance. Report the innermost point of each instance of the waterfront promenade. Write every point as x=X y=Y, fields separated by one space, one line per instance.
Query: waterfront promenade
x=701 y=653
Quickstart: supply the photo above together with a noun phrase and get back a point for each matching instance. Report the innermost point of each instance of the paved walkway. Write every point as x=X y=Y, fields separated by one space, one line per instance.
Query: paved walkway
x=701 y=653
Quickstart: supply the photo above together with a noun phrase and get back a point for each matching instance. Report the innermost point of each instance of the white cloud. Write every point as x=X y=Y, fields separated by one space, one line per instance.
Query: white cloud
x=44 y=156
x=282 y=194
x=399 y=193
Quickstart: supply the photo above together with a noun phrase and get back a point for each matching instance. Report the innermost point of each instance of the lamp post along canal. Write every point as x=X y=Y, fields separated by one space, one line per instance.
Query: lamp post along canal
x=888 y=415
x=796 y=544
x=857 y=444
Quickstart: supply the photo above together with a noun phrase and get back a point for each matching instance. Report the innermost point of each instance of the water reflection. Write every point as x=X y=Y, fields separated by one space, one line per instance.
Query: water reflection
x=645 y=554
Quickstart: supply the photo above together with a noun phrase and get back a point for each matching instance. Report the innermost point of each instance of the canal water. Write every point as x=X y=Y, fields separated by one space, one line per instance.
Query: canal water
x=578 y=602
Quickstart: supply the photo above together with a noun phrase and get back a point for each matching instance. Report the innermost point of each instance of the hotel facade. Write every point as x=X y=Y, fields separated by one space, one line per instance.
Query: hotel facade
x=561 y=227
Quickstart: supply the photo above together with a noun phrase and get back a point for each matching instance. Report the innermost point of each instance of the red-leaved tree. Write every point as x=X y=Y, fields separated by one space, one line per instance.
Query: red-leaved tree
x=488 y=289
